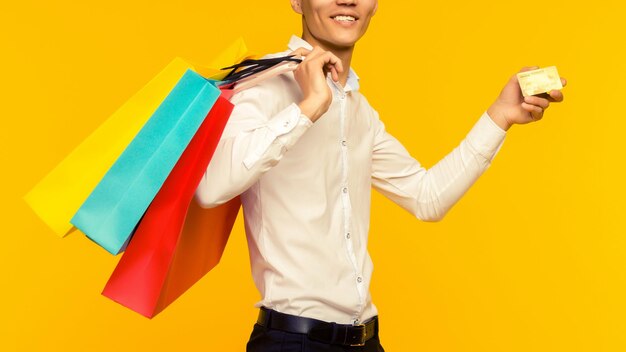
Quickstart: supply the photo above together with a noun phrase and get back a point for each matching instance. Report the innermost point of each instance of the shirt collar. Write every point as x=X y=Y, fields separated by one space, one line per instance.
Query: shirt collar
x=352 y=82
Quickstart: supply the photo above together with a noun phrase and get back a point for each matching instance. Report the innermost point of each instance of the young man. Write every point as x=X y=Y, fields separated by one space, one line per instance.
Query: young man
x=304 y=150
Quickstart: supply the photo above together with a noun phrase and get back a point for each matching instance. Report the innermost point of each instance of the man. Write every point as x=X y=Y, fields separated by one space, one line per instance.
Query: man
x=304 y=149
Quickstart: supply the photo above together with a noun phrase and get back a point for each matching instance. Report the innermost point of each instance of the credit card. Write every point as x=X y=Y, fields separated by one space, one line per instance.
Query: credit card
x=539 y=81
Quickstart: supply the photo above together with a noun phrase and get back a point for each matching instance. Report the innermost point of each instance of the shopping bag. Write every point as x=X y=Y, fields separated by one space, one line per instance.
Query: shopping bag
x=113 y=209
x=162 y=262
x=57 y=197
x=177 y=242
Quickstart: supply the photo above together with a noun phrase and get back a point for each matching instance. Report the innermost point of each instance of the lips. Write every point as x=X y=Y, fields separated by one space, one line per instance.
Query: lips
x=345 y=14
x=344 y=18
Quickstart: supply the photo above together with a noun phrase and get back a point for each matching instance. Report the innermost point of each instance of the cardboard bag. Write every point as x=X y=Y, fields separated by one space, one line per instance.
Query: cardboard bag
x=57 y=197
x=164 y=259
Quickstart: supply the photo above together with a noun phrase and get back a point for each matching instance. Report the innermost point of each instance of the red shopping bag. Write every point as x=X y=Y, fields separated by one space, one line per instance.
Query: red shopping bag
x=176 y=242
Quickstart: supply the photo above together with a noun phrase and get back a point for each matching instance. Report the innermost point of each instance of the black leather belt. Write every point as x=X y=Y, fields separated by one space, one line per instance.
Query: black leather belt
x=332 y=333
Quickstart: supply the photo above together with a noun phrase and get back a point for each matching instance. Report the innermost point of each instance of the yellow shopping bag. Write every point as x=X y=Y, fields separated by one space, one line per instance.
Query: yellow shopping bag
x=57 y=197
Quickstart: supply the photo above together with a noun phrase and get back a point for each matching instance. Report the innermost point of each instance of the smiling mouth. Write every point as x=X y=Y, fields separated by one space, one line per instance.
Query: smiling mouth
x=344 y=18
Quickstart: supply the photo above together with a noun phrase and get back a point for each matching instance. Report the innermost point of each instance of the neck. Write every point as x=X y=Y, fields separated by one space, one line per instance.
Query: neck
x=344 y=53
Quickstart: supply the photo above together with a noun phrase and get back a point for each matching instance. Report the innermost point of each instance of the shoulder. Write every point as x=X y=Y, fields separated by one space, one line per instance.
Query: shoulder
x=273 y=94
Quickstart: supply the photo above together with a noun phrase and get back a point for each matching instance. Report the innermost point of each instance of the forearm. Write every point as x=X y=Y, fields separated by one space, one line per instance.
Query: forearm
x=429 y=194
x=446 y=182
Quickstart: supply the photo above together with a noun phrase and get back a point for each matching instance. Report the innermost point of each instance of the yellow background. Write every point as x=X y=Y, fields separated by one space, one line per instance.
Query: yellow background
x=532 y=259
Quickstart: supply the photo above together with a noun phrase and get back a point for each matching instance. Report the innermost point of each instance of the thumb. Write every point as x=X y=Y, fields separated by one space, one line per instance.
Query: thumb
x=298 y=53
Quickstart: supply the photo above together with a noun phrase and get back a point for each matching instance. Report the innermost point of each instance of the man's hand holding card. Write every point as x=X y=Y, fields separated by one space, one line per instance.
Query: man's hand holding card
x=526 y=96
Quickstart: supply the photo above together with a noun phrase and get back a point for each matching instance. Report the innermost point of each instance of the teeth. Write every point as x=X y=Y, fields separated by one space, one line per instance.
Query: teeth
x=344 y=18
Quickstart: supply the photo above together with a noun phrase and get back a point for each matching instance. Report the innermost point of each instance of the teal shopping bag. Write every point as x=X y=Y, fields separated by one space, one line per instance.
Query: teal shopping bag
x=113 y=209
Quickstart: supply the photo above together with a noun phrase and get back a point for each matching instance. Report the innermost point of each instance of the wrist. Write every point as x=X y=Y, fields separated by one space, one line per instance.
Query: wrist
x=498 y=116
x=310 y=109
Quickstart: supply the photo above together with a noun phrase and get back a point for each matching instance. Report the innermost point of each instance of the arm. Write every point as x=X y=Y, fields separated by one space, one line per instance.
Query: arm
x=428 y=194
x=251 y=144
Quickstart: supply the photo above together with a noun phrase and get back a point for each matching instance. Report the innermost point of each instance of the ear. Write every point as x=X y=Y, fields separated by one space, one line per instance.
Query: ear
x=296 y=5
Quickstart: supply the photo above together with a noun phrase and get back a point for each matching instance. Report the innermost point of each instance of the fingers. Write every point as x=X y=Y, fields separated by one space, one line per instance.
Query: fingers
x=311 y=54
x=536 y=106
x=300 y=52
x=333 y=72
x=555 y=96
x=535 y=111
x=325 y=60
x=535 y=100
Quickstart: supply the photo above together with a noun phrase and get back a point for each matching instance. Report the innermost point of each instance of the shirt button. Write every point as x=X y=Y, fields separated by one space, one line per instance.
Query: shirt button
x=344 y=190
x=348 y=235
x=359 y=279
x=286 y=123
x=343 y=142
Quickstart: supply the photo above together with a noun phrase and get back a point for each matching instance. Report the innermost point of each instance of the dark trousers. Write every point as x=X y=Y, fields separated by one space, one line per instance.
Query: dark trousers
x=270 y=340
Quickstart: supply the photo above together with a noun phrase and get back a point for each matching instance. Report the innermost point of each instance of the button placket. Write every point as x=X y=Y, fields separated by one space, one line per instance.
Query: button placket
x=345 y=197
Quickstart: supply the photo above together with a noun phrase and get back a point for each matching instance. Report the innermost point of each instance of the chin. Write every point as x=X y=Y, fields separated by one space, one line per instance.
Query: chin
x=343 y=40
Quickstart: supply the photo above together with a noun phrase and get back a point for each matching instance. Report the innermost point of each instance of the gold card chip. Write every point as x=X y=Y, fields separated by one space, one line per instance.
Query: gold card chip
x=539 y=81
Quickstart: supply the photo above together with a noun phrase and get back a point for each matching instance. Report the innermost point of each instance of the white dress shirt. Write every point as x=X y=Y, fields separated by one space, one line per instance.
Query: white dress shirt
x=305 y=190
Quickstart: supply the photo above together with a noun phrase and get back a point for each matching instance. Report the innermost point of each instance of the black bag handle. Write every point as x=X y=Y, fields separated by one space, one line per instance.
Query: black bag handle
x=252 y=66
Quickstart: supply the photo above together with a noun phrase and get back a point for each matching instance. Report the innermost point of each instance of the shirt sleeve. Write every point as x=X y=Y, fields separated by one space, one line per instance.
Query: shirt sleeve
x=252 y=142
x=428 y=194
